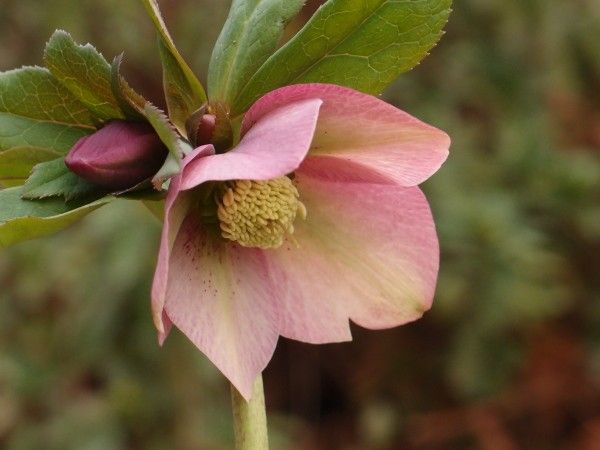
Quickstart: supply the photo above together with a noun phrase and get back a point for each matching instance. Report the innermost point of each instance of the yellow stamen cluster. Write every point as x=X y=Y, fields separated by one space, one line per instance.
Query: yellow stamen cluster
x=259 y=213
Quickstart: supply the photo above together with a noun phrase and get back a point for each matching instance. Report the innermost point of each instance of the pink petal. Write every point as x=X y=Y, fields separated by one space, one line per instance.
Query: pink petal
x=176 y=209
x=219 y=295
x=368 y=252
x=364 y=130
x=274 y=146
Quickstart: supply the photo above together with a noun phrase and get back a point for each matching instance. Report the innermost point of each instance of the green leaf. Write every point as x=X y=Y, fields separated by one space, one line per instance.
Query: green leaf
x=362 y=44
x=163 y=127
x=132 y=104
x=169 y=136
x=16 y=163
x=183 y=91
x=85 y=73
x=249 y=37
x=182 y=101
x=54 y=179
x=39 y=120
x=21 y=219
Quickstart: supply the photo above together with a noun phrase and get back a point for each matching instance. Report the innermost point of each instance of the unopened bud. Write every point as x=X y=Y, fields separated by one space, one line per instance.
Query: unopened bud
x=200 y=127
x=206 y=129
x=118 y=156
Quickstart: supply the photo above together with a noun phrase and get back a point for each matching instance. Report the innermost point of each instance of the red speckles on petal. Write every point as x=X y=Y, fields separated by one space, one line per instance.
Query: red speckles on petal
x=222 y=300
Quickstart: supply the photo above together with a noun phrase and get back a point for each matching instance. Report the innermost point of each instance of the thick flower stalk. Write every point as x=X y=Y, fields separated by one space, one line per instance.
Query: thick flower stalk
x=312 y=220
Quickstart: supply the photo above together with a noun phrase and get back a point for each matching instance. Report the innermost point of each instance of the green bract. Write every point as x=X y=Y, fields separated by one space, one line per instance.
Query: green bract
x=249 y=37
x=183 y=92
x=54 y=179
x=40 y=120
x=24 y=219
x=85 y=73
x=131 y=103
x=362 y=44
x=168 y=135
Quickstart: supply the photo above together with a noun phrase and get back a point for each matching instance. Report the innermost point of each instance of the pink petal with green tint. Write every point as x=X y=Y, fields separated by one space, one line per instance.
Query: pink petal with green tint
x=363 y=129
x=273 y=147
x=176 y=209
x=368 y=252
x=219 y=295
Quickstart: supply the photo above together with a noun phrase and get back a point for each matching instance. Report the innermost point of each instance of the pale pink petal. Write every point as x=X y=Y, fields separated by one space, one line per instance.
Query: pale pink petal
x=219 y=295
x=365 y=130
x=367 y=251
x=273 y=147
x=176 y=209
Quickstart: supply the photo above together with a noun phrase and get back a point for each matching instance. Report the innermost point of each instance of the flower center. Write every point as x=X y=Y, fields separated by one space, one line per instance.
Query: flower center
x=258 y=213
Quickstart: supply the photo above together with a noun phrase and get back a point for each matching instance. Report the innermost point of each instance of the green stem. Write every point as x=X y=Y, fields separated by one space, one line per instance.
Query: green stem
x=250 y=419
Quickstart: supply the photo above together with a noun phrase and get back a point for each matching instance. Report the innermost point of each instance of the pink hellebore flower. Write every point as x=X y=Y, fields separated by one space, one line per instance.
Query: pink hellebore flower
x=312 y=220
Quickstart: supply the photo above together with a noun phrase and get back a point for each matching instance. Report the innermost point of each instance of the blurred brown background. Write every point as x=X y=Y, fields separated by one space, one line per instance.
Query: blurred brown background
x=508 y=359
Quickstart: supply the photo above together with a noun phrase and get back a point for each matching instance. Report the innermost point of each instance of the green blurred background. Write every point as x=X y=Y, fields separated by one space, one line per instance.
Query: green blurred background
x=509 y=358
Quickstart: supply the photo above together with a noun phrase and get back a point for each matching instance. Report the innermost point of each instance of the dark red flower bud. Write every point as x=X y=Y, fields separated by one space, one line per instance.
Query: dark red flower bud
x=200 y=127
x=206 y=129
x=118 y=156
